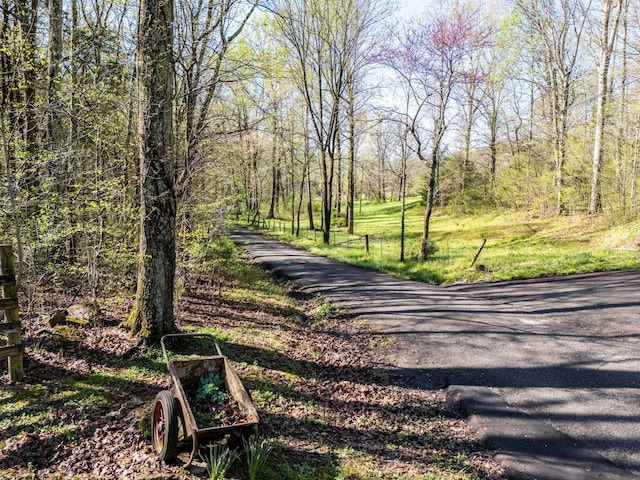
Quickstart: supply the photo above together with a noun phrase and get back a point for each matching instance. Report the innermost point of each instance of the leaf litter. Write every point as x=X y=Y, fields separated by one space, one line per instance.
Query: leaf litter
x=328 y=401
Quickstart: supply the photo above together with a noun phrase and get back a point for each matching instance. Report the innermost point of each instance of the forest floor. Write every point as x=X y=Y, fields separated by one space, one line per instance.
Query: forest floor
x=328 y=404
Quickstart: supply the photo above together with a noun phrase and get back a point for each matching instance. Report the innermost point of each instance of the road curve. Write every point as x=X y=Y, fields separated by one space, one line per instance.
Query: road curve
x=547 y=369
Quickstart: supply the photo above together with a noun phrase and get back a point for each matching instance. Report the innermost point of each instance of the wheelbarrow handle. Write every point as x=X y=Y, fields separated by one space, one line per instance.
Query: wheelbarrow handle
x=184 y=335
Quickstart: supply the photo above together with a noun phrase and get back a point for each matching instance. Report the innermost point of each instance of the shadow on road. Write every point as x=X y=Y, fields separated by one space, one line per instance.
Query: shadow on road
x=547 y=369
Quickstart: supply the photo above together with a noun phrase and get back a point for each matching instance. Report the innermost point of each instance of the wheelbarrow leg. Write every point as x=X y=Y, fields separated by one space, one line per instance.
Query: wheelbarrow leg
x=194 y=450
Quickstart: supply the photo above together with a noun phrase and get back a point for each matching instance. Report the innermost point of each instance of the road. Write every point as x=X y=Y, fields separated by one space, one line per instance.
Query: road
x=547 y=369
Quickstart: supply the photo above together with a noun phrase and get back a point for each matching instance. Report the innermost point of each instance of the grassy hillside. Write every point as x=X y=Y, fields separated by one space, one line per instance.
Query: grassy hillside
x=517 y=244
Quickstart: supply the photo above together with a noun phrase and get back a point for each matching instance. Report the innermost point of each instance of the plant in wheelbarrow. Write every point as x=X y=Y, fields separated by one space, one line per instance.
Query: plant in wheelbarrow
x=211 y=389
x=257 y=453
x=219 y=460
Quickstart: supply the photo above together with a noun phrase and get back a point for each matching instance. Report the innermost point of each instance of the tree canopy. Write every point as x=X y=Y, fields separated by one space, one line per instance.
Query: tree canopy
x=294 y=109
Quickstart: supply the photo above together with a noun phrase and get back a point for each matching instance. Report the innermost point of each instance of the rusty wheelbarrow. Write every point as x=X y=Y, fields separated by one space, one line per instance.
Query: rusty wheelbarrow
x=185 y=413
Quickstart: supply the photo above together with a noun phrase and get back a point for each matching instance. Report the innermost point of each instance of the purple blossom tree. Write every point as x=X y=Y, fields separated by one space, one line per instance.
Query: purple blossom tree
x=431 y=59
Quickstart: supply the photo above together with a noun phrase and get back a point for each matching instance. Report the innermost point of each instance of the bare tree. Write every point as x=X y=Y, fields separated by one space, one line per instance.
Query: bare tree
x=557 y=29
x=324 y=37
x=431 y=60
x=622 y=140
x=610 y=21
x=206 y=30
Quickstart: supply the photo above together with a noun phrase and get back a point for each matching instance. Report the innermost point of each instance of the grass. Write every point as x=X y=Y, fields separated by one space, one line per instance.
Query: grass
x=517 y=245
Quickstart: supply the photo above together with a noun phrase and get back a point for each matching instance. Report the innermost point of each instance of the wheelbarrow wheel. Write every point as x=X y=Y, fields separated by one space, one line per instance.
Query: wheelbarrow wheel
x=164 y=426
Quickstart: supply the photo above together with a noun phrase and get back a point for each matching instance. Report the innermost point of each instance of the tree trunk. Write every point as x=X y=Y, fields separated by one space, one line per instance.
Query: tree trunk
x=309 y=201
x=338 y=203
x=303 y=181
x=559 y=115
x=493 y=146
x=152 y=315
x=470 y=113
x=424 y=248
x=606 y=45
x=275 y=171
x=307 y=162
x=327 y=196
x=623 y=118
x=351 y=169
x=292 y=157
x=28 y=25
x=633 y=196
x=53 y=74
x=403 y=194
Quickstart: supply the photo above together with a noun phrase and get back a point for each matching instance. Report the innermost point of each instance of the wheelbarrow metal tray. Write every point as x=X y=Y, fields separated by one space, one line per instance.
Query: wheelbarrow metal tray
x=186 y=372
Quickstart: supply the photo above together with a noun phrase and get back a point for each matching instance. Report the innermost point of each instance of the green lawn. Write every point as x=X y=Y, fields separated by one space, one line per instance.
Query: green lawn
x=518 y=245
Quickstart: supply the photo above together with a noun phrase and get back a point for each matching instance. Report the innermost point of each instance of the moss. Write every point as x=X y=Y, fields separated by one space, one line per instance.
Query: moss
x=65 y=334
x=130 y=322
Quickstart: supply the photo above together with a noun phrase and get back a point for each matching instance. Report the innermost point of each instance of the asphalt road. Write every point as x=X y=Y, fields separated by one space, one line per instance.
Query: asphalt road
x=548 y=370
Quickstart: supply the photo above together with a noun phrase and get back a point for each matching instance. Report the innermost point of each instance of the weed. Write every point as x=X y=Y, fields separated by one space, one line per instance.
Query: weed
x=257 y=453
x=299 y=472
x=264 y=397
x=219 y=460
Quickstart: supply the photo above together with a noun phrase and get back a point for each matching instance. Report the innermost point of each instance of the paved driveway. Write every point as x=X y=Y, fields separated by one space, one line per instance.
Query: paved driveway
x=548 y=369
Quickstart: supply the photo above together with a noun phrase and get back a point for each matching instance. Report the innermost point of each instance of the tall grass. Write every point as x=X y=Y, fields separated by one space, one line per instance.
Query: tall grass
x=219 y=460
x=257 y=453
x=517 y=244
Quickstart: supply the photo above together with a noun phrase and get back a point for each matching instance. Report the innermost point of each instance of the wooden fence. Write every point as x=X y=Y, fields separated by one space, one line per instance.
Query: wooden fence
x=10 y=315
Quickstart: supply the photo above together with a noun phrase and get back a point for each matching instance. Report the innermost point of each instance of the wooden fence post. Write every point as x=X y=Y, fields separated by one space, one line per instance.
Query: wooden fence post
x=10 y=326
x=484 y=241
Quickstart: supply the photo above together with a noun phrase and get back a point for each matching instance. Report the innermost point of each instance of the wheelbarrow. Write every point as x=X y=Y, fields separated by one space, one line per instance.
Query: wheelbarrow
x=175 y=417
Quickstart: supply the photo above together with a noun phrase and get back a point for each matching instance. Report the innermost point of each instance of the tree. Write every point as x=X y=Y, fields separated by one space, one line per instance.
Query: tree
x=152 y=315
x=431 y=59
x=54 y=77
x=325 y=38
x=367 y=16
x=18 y=118
x=472 y=98
x=622 y=140
x=206 y=30
x=606 y=44
x=556 y=29
x=490 y=110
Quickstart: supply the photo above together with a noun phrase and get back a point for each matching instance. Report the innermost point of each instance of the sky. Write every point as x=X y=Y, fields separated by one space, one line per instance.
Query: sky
x=417 y=8
x=409 y=8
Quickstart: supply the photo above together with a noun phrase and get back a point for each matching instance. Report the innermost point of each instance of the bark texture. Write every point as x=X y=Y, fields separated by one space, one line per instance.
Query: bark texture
x=152 y=316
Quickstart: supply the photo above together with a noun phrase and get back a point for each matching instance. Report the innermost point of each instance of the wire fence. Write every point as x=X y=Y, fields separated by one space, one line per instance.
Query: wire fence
x=377 y=246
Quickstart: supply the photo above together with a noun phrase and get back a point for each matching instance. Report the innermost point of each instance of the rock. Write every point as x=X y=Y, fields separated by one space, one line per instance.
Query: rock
x=89 y=313
x=59 y=317
x=66 y=335
x=77 y=314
